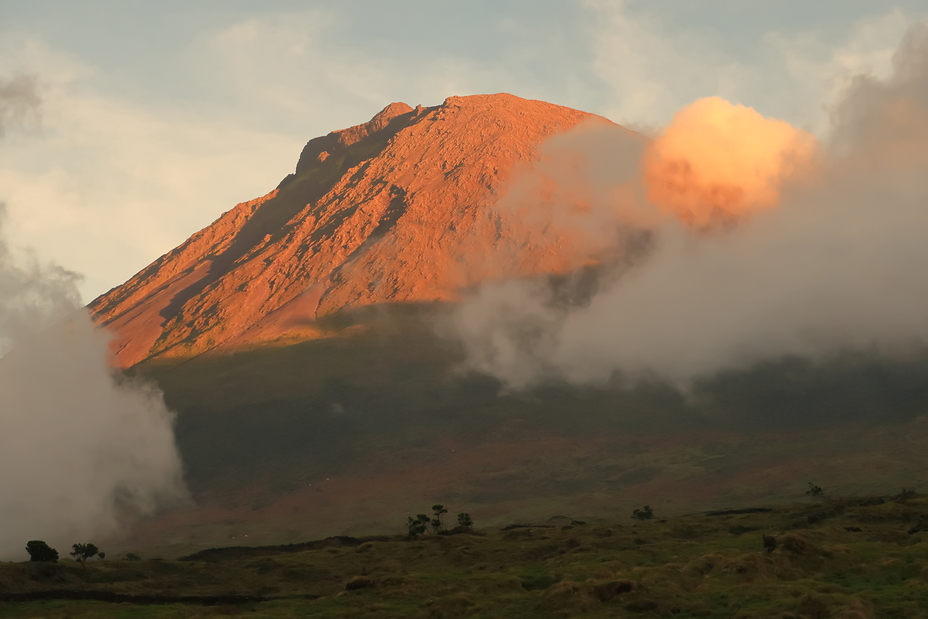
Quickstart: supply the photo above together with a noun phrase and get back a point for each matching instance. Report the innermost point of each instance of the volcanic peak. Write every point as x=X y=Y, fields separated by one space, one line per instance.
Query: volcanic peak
x=398 y=209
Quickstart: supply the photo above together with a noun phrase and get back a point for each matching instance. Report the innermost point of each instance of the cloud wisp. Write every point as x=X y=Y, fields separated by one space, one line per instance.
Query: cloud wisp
x=837 y=266
x=19 y=101
x=82 y=450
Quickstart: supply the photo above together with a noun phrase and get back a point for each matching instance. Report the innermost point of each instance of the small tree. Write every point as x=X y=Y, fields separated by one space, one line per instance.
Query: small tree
x=82 y=552
x=464 y=521
x=41 y=552
x=437 y=524
x=644 y=513
x=815 y=490
x=417 y=526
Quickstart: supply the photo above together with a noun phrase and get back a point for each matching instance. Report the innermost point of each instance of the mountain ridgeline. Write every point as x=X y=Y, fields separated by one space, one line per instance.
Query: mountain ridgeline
x=399 y=209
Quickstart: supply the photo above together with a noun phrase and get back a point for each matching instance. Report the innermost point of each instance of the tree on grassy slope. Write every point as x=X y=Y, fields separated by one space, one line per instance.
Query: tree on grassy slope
x=417 y=526
x=82 y=552
x=437 y=523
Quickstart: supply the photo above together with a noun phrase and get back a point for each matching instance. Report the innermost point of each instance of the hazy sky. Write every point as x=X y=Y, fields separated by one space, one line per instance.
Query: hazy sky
x=158 y=116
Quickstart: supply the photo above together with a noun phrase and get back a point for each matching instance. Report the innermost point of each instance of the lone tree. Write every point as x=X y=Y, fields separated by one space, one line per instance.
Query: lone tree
x=437 y=524
x=82 y=552
x=643 y=514
x=417 y=526
x=42 y=552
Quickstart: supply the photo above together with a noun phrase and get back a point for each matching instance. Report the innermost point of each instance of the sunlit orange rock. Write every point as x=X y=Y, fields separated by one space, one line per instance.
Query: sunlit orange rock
x=398 y=209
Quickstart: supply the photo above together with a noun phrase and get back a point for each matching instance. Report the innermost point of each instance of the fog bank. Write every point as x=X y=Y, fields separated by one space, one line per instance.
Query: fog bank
x=834 y=259
x=83 y=451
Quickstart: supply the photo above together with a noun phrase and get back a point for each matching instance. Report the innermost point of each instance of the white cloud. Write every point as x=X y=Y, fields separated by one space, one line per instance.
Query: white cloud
x=652 y=69
x=649 y=72
x=107 y=185
x=304 y=68
x=818 y=75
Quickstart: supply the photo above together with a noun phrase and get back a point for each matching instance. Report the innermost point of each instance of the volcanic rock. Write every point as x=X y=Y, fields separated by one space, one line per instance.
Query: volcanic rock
x=399 y=209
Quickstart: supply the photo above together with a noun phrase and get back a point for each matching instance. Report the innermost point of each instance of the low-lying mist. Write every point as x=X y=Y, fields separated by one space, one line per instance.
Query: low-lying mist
x=756 y=244
x=82 y=450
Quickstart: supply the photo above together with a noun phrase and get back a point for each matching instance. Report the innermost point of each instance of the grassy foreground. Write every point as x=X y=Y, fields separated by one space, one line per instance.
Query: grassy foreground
x=847 y=558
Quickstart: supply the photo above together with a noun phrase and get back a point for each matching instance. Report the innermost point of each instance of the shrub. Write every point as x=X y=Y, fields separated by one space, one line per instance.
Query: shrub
x=770 y=543
x=41 y=552
x=815 y=490
x=643 y=514
x=464 y=521
x=359 y=582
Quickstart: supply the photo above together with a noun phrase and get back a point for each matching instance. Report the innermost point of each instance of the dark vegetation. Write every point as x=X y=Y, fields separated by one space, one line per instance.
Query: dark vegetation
x=419 y=526
x=385 y=392
x=850 y=558
x=280 y=402
x=40 y=552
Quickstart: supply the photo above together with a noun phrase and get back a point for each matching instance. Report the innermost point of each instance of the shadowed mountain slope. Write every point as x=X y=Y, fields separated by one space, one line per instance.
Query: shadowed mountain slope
x=399 y=209
x=349 y=435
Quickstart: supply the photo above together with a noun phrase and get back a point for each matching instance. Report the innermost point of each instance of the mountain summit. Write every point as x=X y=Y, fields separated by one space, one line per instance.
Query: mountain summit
x=398 y=209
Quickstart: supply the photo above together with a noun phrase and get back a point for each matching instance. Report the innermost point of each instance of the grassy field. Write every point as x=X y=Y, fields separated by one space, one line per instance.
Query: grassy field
x=842 y=558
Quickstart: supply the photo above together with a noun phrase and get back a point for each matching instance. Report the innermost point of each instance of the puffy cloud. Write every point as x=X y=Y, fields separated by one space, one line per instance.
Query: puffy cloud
x=717 y=162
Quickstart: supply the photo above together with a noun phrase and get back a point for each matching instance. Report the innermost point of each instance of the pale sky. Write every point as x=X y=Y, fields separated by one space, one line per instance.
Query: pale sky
x=159 y=116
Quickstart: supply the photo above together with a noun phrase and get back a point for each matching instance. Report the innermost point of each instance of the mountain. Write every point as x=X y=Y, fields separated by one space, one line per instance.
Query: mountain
x=317 y=436
x=398 y=209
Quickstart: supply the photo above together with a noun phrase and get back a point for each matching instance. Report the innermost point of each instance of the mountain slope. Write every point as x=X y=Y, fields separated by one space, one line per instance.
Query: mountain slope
x=399 y=209
x=349 y=434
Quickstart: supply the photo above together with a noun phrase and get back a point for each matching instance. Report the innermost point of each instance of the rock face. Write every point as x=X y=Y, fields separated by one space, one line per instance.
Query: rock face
x=399 y=209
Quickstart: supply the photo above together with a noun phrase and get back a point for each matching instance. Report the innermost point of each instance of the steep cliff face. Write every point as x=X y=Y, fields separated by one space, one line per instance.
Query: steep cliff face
x=399 y=209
